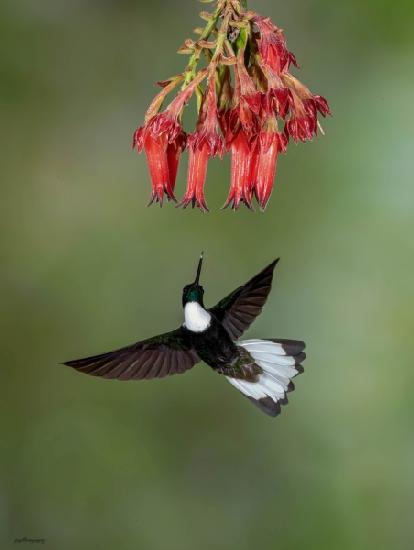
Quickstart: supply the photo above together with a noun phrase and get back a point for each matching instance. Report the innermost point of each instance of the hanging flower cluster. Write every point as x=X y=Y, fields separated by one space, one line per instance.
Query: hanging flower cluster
x=249 y=105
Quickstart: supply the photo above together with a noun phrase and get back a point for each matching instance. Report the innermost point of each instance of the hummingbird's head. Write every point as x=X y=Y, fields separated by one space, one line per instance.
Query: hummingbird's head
x=194 y=292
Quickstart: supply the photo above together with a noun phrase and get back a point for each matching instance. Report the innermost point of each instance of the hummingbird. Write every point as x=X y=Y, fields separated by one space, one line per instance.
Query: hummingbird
x=262 y=370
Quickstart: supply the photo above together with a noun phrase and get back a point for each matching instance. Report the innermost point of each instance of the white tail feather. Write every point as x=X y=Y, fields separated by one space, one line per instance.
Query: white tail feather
x=278 y=370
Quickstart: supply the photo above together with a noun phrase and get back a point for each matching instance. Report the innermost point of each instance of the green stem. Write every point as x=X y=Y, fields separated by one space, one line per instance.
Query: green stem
x=192 y=64
x=244 y=4
x=221 y=38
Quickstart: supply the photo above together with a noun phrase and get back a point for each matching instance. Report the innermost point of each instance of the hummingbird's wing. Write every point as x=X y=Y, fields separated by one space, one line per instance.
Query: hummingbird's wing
x=163 y=355
x=240 y=308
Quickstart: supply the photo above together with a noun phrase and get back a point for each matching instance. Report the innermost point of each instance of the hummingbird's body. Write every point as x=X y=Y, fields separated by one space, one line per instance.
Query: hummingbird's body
x=210 y=340
x=260 y=369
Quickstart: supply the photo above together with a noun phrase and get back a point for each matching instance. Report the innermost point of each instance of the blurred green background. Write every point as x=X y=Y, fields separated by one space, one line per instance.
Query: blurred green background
x=187 y=462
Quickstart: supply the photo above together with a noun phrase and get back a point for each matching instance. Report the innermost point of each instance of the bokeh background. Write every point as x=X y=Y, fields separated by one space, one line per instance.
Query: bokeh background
x=186 y=462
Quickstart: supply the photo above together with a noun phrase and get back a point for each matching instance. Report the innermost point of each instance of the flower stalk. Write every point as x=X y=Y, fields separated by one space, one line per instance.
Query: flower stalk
x=248 y=103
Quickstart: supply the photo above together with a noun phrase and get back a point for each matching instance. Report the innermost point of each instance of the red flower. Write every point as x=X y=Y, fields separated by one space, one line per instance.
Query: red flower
x=163 y=140
x=263 y=174
x=241 y=127
x=241 y=188
x=304 y=108
x=245 y=115
x=272 y=46
x=270 y=143
x=204 y=143
x=322 y=105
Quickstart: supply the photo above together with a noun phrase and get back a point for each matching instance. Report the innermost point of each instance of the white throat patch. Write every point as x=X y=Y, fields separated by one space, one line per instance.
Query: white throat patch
x=197 y=319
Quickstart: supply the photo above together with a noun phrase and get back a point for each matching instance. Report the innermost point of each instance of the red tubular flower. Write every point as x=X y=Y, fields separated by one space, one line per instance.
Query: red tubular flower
x=197 y=171
x=270 y=145
x=303 y=122
x=248 y=103
x=206 y=142
x=242 y=153
x=242 y=127
x=156 y=152
x=322 y=105
x=163 y=140
x=301 y=128
x=272 y=46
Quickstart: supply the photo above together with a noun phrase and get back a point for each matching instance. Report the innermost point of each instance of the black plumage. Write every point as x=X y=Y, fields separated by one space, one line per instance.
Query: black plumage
x=178 y=351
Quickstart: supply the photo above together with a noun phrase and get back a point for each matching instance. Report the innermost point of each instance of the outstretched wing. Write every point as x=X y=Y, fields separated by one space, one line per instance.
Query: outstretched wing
x=163 y=355
x=240 y=308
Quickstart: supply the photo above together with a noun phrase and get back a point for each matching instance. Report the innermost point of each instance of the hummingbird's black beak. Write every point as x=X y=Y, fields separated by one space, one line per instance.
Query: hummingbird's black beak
x=200 y=265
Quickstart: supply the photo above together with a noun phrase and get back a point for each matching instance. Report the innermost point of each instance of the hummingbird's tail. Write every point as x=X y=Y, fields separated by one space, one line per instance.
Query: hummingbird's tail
x=280 y=361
